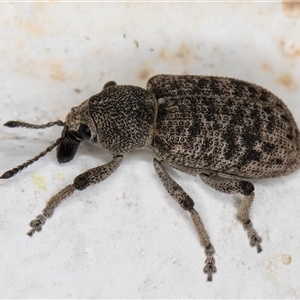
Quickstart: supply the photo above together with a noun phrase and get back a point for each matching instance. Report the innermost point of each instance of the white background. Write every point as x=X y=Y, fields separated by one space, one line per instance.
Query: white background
x=126 y=237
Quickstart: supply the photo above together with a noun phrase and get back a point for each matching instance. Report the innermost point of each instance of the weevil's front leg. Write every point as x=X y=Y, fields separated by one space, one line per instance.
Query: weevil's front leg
x=245 y=188
x=81 y=182
x=186 y=202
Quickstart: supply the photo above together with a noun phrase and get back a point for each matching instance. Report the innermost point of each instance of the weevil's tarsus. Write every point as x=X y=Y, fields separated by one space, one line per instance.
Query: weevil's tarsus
x=40 y=220
x=14 y=171
x=210 y=267
x=13 y=124
x=186 y=202
x=82 y=181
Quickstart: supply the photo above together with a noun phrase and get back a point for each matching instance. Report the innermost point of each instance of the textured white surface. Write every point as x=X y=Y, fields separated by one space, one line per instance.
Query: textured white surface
x=126 y=237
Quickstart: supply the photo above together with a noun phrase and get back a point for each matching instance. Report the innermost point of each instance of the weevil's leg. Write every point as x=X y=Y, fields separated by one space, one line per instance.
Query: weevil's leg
x=81 y=182
x=245 y=188
x=186 y=202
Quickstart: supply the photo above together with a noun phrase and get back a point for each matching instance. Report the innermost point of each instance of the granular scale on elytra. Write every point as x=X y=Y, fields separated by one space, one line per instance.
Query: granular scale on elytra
x=225 y=130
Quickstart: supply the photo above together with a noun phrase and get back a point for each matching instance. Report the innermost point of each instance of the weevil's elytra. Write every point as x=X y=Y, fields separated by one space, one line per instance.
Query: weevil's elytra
x=225 y=130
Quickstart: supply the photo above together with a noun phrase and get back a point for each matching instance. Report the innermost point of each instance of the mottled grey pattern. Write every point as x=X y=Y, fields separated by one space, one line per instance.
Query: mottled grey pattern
x=223 y=125
x=225 y=130
x=124 y=117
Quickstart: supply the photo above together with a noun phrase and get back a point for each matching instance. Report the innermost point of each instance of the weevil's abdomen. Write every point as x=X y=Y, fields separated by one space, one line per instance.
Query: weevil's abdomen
x=224 y=125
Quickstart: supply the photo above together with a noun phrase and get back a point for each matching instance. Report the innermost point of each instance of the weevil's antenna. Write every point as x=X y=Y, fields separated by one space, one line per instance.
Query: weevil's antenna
x=13 y=124
x=14 y=171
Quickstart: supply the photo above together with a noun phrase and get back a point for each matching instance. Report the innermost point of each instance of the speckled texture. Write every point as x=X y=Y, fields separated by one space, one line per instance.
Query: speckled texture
x=124 y=117
x=221 y=129
x=218 y=125
x=126 y=237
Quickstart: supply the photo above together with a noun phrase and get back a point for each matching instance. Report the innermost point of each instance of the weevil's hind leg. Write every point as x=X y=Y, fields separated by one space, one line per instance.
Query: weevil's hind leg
x=186 y=202
x=82 y=181
x=245 y=188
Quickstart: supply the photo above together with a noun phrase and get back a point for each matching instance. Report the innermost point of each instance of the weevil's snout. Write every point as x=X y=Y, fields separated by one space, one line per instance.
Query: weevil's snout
x=67 y=149
x=74 y=132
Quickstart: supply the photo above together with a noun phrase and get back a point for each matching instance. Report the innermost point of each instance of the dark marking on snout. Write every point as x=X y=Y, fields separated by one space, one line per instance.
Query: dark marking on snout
x=67 y=149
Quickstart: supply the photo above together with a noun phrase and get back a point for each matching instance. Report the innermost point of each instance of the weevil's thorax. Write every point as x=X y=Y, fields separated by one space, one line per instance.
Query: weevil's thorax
x=124 y=118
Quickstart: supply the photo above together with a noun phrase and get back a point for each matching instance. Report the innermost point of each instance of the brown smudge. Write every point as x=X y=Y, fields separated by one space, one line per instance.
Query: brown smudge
x=290 y=49
x=162 y=54
x=183 y=54
x=183 y=51
x=291 y=8
x=144 y=74
x=20 y=45
x=287 y=81
x=54 y=68
x=56 y=71
x=35 y=24
x=34 y=28
x=266 y=66
x=286 y=259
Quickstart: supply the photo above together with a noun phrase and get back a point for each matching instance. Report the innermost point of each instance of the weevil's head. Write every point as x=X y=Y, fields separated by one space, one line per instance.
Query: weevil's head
x=78 y=127
x=119 y=118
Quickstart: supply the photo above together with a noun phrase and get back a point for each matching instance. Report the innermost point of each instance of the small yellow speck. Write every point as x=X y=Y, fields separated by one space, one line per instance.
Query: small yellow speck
x=286 y=259
x=39 y=180
x=61 y=176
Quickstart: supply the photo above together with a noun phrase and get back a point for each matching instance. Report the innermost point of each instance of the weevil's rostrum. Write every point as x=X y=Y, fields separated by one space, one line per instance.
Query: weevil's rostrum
x=225 y=130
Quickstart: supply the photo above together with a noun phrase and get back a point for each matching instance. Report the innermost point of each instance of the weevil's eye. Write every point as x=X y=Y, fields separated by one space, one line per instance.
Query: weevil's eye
x=84 y=132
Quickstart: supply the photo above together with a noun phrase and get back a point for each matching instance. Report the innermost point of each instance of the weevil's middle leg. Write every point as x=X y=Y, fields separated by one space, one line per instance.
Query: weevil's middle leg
x=245 y=188
x=186 y=202
x=81 y=182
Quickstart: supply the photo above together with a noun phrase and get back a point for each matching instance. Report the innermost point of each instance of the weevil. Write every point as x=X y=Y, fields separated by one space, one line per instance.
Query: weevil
x=226 y=131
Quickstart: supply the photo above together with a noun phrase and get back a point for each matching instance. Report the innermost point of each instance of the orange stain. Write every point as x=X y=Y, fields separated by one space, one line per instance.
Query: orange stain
x=291 y=8
x=266 y=66
x=287 y=81
x=56 y=71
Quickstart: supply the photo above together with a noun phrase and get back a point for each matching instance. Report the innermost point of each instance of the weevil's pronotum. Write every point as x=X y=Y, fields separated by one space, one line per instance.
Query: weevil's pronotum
x=225 y=130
